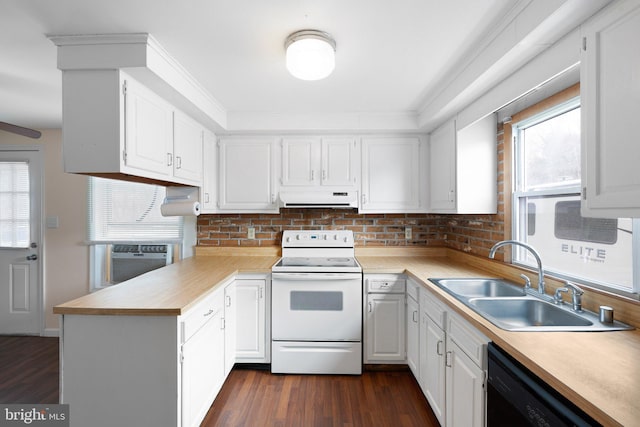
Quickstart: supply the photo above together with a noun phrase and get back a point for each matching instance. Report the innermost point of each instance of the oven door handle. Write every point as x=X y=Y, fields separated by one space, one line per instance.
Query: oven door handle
x=315 y=276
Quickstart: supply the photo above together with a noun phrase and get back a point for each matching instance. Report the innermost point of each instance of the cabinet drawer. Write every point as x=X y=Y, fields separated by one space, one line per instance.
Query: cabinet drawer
x=390 y=283
x=205 y=310
x=413 y=289
x=470 y=341
x=433 y=308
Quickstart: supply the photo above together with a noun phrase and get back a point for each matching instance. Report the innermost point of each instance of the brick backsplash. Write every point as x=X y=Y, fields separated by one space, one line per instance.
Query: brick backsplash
x=369 y=230
x=469 y=233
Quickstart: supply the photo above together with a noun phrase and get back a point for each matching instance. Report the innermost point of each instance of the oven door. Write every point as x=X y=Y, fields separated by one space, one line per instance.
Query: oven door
x=316 y=306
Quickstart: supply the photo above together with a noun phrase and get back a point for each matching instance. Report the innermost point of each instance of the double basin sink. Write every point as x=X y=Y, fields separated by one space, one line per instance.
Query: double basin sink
x=509 y=307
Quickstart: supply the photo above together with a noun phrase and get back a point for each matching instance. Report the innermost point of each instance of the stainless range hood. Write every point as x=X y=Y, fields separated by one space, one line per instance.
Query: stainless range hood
x=323 y=199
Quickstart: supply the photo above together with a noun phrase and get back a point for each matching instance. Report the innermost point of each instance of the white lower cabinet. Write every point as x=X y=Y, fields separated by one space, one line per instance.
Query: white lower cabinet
x=252 y=325
x=230 y=330
x=413 y=327
x=465 y=399
x=384 y=321
x=432 y=354
x=203 y=368
x=452 y=365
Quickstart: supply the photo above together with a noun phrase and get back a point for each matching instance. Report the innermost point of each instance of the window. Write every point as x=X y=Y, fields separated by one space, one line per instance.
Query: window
x=15 y=221
x=546 y=206
x=127 y=212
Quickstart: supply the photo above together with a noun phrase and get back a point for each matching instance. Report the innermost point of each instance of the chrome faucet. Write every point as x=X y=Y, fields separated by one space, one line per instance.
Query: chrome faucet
x=498 y=245
x=576 y=295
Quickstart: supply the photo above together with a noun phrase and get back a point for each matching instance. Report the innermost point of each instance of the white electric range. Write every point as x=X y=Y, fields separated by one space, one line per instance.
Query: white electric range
x=316 y=312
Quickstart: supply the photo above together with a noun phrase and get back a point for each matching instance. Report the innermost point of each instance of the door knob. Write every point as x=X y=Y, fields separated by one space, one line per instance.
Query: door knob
x=32 y=257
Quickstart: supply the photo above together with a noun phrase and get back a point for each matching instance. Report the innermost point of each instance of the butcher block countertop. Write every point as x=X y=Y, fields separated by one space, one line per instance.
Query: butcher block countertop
x=598 y=371
x=168 y=291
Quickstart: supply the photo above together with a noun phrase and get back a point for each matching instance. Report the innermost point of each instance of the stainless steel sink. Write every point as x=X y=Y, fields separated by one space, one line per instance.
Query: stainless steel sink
x=526 y=312
x=510 y=307
x=477 y=287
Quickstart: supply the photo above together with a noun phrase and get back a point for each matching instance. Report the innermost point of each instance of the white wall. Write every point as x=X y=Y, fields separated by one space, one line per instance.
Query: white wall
x=65 y=253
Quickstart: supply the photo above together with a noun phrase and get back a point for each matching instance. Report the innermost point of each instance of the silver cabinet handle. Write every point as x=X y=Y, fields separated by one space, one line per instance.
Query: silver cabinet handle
x=415 y=315
x=447 y=359
x=208 y=313
x=169 y=159
x=178 y=162
x=438 y=350
x=370 y=307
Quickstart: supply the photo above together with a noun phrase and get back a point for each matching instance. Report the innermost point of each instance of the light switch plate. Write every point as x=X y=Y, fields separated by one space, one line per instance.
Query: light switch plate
x=52 y=222
x=251 y=233
x=407 y=233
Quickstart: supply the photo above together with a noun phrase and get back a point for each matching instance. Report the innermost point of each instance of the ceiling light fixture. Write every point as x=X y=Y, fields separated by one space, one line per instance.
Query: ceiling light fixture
x=311 y=54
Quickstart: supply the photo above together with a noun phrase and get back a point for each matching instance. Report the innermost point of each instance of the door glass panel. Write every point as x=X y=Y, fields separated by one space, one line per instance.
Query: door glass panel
x=316 y=300
x=14 y=205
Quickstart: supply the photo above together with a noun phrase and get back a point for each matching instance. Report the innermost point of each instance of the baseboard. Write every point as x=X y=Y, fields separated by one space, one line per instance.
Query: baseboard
x=51 y=332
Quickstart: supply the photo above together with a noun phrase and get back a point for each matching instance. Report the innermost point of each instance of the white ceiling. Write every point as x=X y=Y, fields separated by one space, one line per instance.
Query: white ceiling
x=391 y=57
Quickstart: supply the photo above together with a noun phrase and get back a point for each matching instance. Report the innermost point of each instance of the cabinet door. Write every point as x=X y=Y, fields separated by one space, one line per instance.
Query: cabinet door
x=385 y=328
x=247 y=175
x=187 y=148
x=432 y=365
x=392 y=175
x=202 y=370
x=464 y=389
x=300 y=161
x=148 y=130
x=442 y=168
x=610 y=98
x=339 y=161
x=230 y=315
x=251 y=321
x=413 y=336
x=209 y=191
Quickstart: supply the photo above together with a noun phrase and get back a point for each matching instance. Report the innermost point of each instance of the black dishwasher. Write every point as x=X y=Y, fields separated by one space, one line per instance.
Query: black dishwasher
x=517 y=397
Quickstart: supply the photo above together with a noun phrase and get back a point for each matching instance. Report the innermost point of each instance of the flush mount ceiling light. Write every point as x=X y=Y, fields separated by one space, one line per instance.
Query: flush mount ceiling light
x=311 y=54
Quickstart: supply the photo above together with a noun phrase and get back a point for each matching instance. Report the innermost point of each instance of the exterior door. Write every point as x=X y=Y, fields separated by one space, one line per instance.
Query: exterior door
x=20 y=234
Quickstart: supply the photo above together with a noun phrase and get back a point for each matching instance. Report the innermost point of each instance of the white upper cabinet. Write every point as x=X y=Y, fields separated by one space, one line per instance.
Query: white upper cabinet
x=187 y=147
x=314 y=161
x=463 y=168
x=248 y=174
x=116 y=127
x=394 y=175
x=148 y=130
x=339 y=162
x=209 y=190
x=442 y=167
x=610 y=98
x=300 y=161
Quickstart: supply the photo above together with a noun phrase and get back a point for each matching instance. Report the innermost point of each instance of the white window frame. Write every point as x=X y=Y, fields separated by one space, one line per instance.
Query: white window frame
x=571 y=189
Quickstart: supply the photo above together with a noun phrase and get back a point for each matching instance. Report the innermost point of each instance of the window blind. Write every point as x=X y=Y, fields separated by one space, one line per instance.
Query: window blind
x=129 y=211
x=15 y=207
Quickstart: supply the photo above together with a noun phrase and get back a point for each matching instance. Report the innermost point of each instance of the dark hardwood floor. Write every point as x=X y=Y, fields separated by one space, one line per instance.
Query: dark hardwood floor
x=29 y=374
x=29 y=369
x=376 y=398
